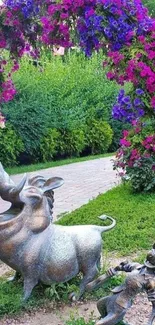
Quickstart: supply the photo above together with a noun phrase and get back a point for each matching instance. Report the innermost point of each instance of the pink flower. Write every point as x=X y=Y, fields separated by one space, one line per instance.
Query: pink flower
x=141 y=39
x=151 y=55
x=137 y=130
x=153 y=102
x=125 y=143
x=64 y=16
x=110 y=75
x=125 y=133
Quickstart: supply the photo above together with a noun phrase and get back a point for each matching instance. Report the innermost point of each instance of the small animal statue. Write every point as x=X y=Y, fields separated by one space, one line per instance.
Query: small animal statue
x=142 y=278
x=38 y=249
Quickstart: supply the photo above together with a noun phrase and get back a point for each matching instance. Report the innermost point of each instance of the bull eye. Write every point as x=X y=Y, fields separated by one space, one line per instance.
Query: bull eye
x=32 y=190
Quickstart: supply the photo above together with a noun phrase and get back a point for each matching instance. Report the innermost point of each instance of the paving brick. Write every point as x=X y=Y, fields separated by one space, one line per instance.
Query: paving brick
x=83 y=181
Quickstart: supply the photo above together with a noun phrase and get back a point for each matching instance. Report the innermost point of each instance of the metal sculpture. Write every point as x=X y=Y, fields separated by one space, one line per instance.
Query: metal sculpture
x=38 y=249
x=142 y=278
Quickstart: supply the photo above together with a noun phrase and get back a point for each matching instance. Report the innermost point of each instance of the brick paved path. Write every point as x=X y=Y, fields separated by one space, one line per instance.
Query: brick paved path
x=83 y=181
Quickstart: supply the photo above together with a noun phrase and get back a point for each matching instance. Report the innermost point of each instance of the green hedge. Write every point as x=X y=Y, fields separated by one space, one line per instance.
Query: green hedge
x=11 y=146
x=55 y=100
x=98 y=136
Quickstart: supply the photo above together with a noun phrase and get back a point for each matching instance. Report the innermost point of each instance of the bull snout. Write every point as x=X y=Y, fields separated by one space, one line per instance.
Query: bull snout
x=30 y=194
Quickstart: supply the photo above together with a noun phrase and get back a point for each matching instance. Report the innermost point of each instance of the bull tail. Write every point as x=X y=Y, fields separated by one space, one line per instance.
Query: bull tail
x=106 y=228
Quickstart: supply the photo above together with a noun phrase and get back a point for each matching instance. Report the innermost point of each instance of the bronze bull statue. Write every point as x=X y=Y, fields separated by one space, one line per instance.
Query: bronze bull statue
x=38 y=249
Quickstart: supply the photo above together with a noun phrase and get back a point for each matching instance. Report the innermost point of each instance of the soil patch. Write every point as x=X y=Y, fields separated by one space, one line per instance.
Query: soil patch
x=58 y=314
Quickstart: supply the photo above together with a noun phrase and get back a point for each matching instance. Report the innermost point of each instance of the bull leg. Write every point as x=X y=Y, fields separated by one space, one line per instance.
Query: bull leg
x=111 y=319
x=101 y=306
x=88 y=277
x=29 y=284
x=151 y=319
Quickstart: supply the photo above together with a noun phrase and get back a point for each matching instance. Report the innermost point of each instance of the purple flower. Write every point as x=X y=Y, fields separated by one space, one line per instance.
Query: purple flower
x=139 y=91
x=126 y=100
x=137 y=102
x=126 y=109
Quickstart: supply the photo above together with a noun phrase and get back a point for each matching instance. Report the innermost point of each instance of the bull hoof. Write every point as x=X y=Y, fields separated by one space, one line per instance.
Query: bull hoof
x=11 y=279
x=72 y=296
x=14 y=277
x=100 y=322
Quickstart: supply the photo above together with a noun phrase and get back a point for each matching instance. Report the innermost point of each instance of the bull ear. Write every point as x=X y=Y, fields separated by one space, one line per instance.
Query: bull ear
x=52 y=183
x=37 y=181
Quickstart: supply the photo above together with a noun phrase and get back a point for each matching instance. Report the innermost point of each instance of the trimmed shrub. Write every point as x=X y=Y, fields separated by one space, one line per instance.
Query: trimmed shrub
x=71 y=143
x=49 y=145
x=98 y=136
x=11 y=146
x=30 y=120
x=60 y=95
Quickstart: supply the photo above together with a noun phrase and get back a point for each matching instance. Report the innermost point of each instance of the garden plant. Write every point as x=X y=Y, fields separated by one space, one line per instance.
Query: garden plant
x=125 y=32
x=59 y=106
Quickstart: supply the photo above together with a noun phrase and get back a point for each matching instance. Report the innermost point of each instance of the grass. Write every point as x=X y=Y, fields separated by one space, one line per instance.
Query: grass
x=79 y=321
x=134 y=213
x=49 y=164
x=42 y=296
x=10 y=298
x=135 y=231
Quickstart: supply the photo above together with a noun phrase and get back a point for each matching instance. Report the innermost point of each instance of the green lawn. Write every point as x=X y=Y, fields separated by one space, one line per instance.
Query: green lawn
x=135 y=231
x=49 y=164
x=134 y=213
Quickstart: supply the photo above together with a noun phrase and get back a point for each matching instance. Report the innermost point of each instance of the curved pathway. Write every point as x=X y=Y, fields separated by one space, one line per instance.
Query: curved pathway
x=83 y=181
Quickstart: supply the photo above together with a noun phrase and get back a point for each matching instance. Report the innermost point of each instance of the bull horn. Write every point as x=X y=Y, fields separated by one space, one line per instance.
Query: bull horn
x=19 y=187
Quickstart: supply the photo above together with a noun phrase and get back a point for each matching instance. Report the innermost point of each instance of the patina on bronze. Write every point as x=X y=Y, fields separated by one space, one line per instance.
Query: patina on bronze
x=38 y=249
x=141 y=278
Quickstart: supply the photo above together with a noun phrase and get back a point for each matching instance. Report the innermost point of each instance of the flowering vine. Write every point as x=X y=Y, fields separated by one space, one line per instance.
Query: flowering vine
x=122 y=28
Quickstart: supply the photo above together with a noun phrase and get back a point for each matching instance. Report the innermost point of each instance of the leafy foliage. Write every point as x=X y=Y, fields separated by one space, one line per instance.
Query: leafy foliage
x=117 y=128
x=79 y=321
x=71 y=143
x=150 y=4
x=98 y=136
x=135 y=160
x=30 y=121
x=143 y=178
x=59 y=95
x=10 y=294
x=49 y=145
x=11 y=146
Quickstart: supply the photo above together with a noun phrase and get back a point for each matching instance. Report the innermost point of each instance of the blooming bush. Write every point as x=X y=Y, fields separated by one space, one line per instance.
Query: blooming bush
x=93 y=24
x=136 y=157
x=123 y=28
